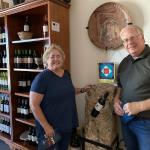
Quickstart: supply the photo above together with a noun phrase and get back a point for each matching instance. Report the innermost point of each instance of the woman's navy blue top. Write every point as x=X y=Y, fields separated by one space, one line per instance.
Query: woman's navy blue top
x=58 y=103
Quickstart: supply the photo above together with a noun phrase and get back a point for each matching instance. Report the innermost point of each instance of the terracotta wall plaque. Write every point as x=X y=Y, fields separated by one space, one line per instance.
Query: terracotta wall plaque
x=105 y=24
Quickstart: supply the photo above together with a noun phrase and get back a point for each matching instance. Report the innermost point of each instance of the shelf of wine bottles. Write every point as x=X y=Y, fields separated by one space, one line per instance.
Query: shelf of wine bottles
x=23 y=109
x=5 y=125
x=29 y=140
x=32 y=138
x=27 y=59
x=4 y=103
x=31 y=40
x=3 y=80
x=3 y=58
x=2 y=34
x=24 y=81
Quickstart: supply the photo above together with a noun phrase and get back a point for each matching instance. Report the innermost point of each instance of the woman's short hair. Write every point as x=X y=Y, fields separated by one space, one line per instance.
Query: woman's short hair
x=49 y=50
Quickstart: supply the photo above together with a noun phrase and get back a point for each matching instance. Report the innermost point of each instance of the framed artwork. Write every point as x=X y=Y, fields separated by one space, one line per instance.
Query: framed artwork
x=106 y=72
x=5 y=4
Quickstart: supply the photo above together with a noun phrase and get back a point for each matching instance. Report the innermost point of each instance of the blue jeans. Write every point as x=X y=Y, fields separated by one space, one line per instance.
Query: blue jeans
x=137 y=134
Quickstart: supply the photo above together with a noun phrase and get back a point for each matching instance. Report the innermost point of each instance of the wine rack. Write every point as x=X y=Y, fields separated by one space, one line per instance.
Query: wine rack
x=20 y=61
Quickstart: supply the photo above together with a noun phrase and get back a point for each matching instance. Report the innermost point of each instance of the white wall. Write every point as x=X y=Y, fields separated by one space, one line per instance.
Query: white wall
x=84 y=55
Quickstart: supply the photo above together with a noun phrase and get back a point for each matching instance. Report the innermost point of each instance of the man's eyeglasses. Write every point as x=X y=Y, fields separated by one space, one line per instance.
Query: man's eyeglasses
x=132 y=38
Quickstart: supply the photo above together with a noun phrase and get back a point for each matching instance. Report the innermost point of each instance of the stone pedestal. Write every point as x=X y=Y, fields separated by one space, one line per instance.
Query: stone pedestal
x=103 y=128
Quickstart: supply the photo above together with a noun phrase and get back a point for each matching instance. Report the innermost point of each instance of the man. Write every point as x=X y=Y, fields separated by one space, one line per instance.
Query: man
x=132 y=99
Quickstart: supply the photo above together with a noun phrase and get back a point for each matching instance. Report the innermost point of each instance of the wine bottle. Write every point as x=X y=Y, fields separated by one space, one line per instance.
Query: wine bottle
x=26 y=24
x=19 y=59
x=45 y=26
x=75 y=142
x=2 y=103
x=26 y=109
x=1 y=61
x=22 y=108
x=99 y=105
x=15 y=58
x=19 y=107
x=30 y=59
x=4 y=59
x=1 y=36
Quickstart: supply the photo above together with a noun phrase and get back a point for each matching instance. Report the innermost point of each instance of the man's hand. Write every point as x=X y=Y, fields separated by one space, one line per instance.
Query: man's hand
x=133 y=108
x=117 y=108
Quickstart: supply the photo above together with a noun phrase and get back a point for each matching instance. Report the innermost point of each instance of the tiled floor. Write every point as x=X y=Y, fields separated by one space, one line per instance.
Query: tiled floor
x=3 y=146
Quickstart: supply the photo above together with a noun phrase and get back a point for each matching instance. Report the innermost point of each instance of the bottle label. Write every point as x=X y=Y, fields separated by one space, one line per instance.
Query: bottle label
x=15 y=60
x=45 y=28
x=30 y=60
x=1 y=36
x=26 y=111
x=18 y=110
x=98 y=106
x=26 y=28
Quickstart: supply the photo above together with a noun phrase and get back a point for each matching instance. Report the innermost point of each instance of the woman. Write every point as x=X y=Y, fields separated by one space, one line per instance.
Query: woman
x=52 y=100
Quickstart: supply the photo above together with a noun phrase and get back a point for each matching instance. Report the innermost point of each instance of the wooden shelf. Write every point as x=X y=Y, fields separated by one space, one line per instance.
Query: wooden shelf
x=26 y=94
x=2 y=43
x=3 y=69
x=4 y=115
x=28 y=70
x=30 y=122
x=25 y=145
x=30 y=40
x=5 y=137
x=5 y=92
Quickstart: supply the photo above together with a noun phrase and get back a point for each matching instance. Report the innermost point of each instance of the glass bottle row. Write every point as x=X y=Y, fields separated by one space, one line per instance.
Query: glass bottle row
x=27 y=59
x=4 y=103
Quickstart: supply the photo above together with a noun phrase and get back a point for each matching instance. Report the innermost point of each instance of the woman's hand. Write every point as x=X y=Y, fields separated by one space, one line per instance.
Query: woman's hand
x=87 y=88
x=49 y=131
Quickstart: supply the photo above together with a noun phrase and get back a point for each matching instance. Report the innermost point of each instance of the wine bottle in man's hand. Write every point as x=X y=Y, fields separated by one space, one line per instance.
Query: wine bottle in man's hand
x=99 y=105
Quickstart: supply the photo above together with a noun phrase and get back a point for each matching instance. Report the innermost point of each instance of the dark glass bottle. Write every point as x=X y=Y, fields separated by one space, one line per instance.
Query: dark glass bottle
x=26 y=58
x=30 y=59
x=20 y=82
x=26 y=109
x=1 y=61
x=45 y=26
x=3 y=35
x=4 y=59
x=2 y=103
x=30 y=134
x=19 y=59
x=26 y=24
x=22 y=108
x=19 y=107
x=99 y=105
x=15 y=58
x=75 y=139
